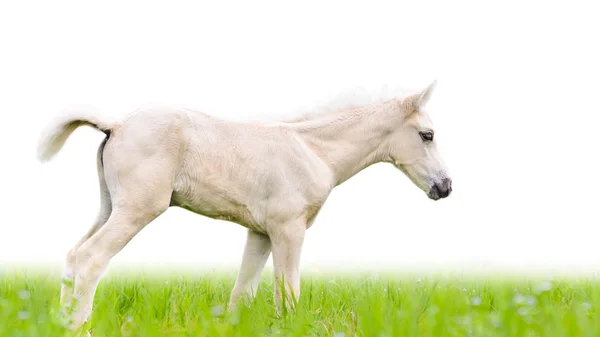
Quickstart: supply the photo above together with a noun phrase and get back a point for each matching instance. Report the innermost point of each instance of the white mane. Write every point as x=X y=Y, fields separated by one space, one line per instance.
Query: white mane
x=348 y=100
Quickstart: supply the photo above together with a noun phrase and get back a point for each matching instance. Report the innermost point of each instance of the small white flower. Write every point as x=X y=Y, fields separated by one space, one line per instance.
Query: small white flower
x=217 y=310
x=530 y=300
x=496 y=321
x=463 y=320
x=519 y=299
x=339 y=334
x=586 y=305
x=24 y=295
x=129 y=319
x=476 y=301
x=23 y=315
x=543 y=287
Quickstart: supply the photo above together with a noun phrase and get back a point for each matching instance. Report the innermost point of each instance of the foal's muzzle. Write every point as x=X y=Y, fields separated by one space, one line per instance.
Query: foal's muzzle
x=440 y=189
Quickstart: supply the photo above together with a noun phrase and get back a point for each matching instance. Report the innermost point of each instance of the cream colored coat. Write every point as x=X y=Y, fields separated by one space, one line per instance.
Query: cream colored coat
x=272 y=178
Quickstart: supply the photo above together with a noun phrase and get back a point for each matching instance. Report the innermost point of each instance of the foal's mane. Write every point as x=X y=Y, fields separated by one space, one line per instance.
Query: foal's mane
x=347 y=101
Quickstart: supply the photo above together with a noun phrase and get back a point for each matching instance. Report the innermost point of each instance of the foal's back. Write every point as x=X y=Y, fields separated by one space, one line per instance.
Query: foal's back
x=238 y=171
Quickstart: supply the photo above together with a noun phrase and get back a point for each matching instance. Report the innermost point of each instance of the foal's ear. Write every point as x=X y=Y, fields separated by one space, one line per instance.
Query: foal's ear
x=417 y=101
x=426 y=94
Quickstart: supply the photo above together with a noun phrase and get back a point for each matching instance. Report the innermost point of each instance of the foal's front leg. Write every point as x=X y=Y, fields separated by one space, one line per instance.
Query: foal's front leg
x=256 y=253
x=287 y=245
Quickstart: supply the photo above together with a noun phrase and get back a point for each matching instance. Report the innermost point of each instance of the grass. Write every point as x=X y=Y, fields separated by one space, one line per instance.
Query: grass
x=183 y=304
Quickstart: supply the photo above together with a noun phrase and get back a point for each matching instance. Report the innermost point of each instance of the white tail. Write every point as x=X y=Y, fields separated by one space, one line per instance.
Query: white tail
x=58 y=131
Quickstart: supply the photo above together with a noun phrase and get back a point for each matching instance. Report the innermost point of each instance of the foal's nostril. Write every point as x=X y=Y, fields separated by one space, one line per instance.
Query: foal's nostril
x=434 y=192
x=445 y=187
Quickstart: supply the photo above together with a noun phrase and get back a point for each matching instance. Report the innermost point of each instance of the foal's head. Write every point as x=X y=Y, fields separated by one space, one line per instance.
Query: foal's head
x=412 y=147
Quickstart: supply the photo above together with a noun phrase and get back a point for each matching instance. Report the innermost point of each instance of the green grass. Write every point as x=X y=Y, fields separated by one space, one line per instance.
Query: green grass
x=184 y=304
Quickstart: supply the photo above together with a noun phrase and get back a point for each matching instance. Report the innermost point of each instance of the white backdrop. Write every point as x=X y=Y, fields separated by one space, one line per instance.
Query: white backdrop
x=516 y=115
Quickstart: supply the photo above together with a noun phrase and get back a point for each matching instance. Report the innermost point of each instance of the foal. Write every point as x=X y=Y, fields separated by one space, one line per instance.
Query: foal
x=271 y=178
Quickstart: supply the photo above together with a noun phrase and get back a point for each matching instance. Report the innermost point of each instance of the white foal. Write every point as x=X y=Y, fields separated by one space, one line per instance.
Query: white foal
x=272 y=178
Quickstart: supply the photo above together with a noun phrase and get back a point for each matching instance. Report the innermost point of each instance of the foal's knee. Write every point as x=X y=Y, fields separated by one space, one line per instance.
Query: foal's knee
x=71 y=258
x=70 y=264
x=90 y=265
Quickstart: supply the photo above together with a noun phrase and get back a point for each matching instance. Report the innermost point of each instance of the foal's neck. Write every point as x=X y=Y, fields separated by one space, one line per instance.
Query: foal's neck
x=351 y=140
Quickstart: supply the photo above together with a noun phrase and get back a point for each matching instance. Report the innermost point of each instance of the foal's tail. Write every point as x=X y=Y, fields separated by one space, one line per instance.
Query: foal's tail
x=56 y=133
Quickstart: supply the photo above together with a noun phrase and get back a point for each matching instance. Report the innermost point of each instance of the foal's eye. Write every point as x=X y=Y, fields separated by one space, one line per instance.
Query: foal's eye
x=426 y=136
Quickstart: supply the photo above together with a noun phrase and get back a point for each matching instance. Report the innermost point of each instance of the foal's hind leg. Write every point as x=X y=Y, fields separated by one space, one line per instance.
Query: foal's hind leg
x=66 y=293
x=138 y=198
x=94 y=255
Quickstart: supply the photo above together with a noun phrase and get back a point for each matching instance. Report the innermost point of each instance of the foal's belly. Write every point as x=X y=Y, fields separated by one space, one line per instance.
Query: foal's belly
x=217 y=206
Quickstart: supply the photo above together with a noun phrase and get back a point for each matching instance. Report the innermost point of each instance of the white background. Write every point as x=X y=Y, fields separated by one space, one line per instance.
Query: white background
x=516 y=115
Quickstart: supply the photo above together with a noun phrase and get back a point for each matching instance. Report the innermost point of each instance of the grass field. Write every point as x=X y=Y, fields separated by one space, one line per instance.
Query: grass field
x=183 y=304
